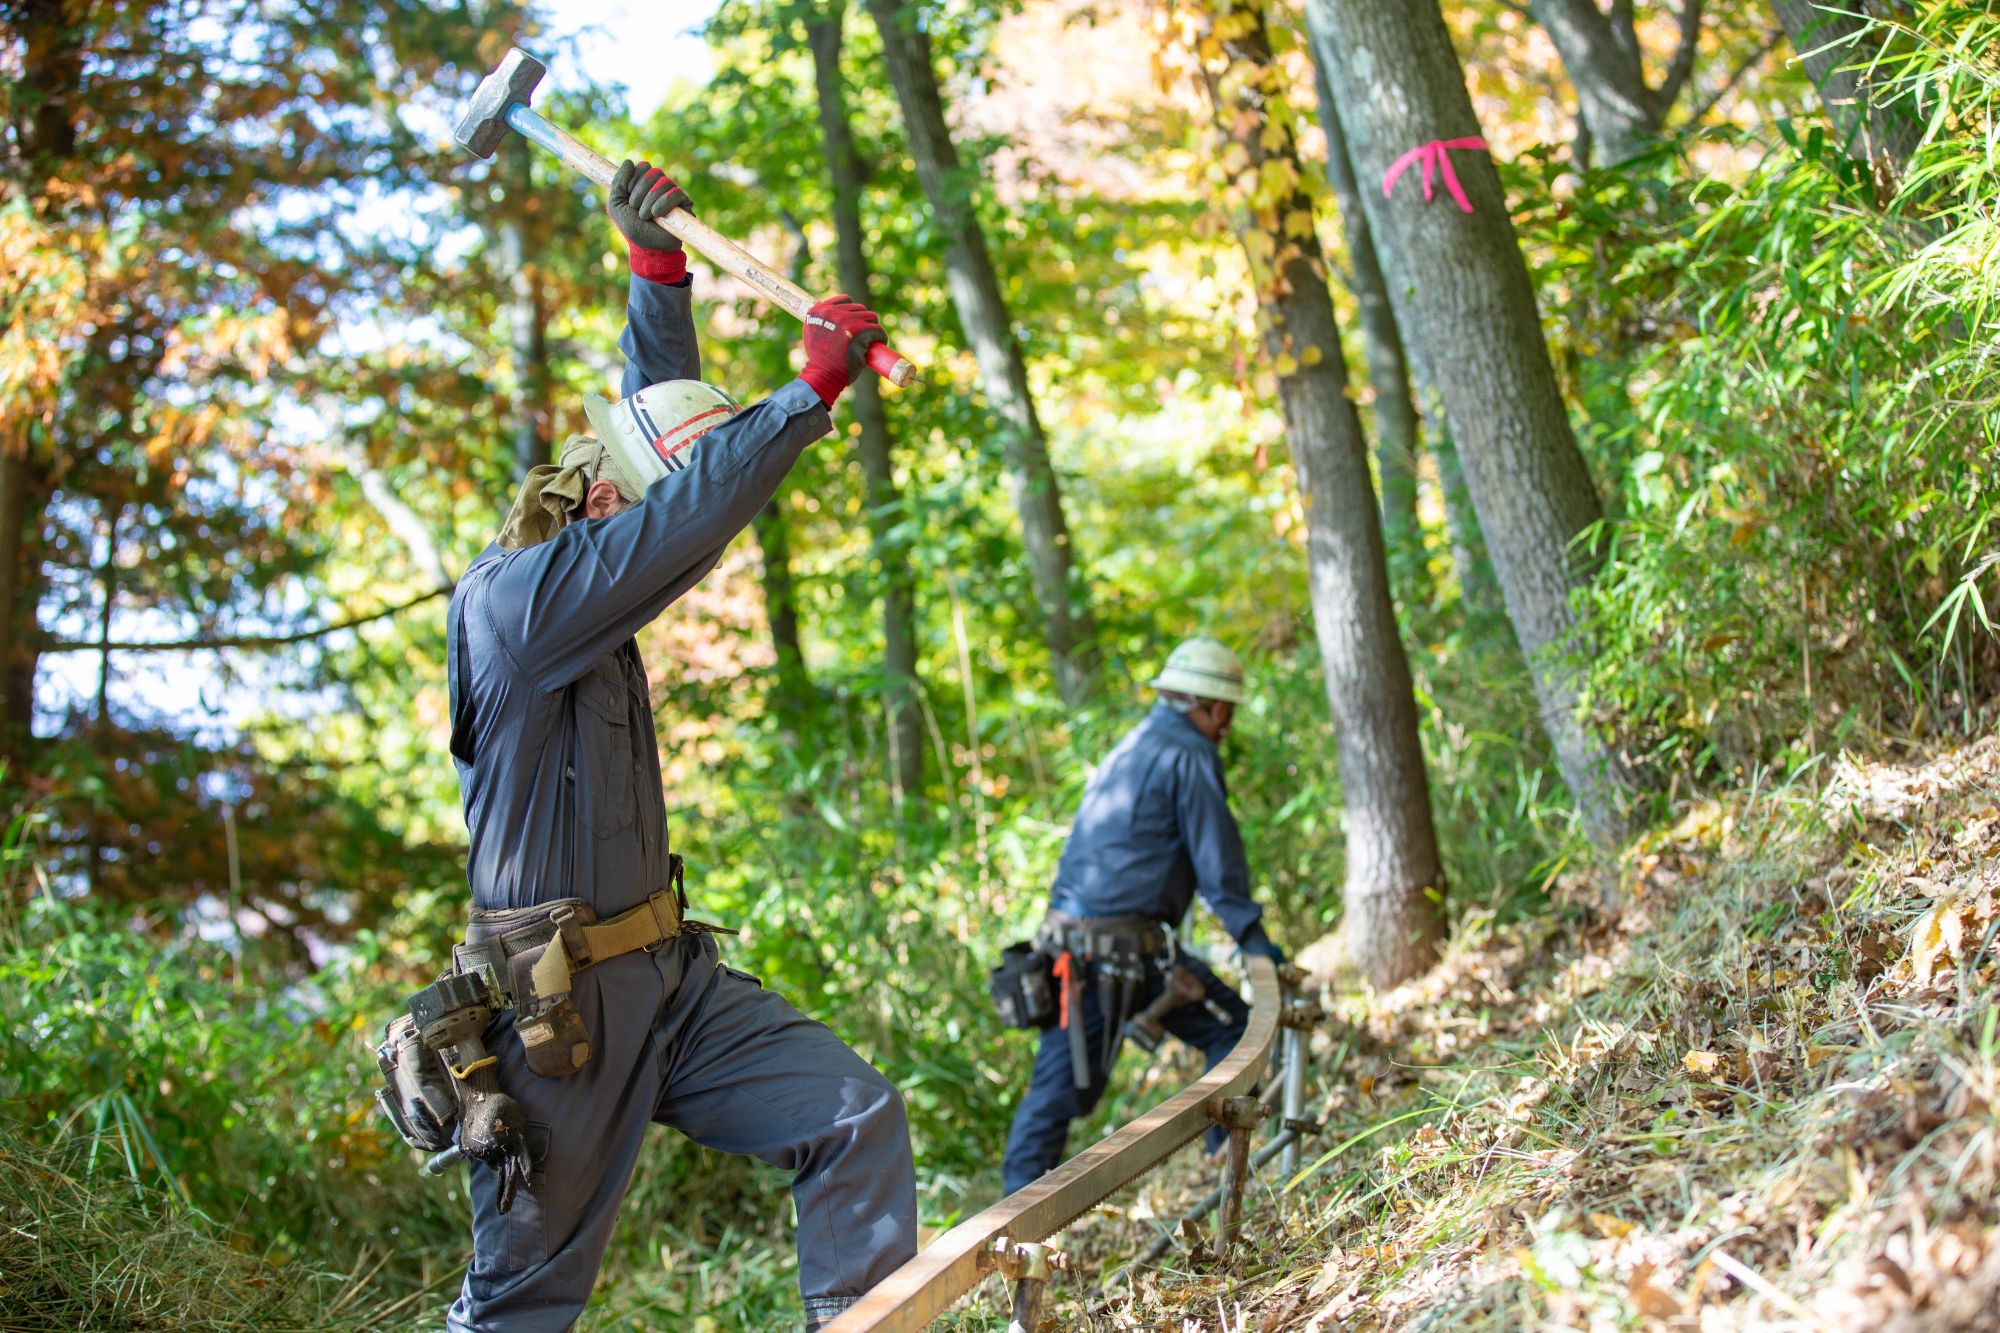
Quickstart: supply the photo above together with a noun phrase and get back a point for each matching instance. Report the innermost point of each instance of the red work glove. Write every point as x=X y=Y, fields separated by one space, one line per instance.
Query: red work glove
x=839 y=331
x=641 y=193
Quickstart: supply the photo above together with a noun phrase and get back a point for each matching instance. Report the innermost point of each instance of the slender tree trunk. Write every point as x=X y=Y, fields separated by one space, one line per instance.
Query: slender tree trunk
x=1478 y=594
x=899 y=638
x=1399 y=85
x=20 y=590
x=1620 y=112
x=781 y=607
x=1394 y=882
x=1396 y=430
x=527 y=317
x=101 y=714
x=1834 y=46
x=975 y=292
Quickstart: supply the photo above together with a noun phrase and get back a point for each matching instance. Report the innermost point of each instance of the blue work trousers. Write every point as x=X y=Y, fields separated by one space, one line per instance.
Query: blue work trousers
x=1040 y=1134
x=680 y=1040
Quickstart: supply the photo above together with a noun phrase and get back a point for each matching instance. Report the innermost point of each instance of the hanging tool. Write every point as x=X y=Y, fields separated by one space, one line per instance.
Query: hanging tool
x=500 y=103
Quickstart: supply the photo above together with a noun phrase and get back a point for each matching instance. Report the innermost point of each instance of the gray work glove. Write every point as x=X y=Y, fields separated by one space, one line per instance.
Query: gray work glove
x=640 y=193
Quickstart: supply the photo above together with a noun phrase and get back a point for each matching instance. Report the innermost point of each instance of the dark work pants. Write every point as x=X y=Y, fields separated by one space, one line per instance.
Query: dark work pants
x=680 y=1040
x=1041 y=1123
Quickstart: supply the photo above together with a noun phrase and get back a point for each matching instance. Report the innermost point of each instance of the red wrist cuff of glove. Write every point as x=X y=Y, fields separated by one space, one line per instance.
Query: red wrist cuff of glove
x=657 y=265
x=828 y=385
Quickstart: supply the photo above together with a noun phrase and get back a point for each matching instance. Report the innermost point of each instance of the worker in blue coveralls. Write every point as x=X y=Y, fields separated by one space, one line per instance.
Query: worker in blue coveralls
x=575 y=896
x=1153 y=830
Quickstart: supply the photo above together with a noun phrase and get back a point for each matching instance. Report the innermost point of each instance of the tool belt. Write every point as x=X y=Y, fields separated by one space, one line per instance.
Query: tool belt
x=1119 y=951
x=433 y=1059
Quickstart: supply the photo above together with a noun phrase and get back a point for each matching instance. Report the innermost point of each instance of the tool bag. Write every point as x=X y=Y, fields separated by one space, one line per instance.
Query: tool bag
x=521 y=958
x=1022 y=987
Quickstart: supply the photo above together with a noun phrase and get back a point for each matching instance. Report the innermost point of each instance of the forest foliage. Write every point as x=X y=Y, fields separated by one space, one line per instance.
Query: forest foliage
x=272 y=354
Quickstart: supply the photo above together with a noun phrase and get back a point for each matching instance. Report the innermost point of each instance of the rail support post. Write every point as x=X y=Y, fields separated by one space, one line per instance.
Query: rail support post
x=1238 y=1115
x=1301 y=1016
x=1029 y=1266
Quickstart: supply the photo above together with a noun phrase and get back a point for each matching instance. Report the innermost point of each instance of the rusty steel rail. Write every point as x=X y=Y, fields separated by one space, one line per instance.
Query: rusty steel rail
x=911 y=1297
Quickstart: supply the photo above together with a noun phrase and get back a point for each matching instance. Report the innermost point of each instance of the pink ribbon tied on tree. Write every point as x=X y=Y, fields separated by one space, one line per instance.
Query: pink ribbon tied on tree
x=1436 y=159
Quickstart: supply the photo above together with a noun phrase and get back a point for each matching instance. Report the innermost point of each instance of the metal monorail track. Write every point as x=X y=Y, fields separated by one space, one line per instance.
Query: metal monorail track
x=925 y=1287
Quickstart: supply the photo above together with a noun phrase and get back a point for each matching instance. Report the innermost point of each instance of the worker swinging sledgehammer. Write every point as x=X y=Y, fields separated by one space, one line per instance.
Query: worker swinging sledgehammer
x=610 y=1009
x=1155 y=827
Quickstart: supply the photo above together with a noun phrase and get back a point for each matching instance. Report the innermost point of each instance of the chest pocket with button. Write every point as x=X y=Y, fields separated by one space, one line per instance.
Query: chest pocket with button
x=604 y=745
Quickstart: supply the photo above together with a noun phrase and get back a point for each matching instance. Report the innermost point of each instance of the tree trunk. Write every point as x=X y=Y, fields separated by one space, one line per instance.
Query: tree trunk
x=1399 y=85
x=20 y=591
x=982 y=312
x=1394 y=876
x=899 y=639
x=51 y=38
x=1396 y=430
x=527 y=319
x=781 y=607
x=1831 y=44
x=1478 y=595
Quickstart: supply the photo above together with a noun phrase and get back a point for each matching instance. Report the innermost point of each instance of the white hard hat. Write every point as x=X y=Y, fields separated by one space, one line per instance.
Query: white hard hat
x=649 y=432
x=1204 y=668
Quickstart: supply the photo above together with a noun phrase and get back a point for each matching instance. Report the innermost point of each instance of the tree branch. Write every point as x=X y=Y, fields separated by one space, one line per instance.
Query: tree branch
x=1744 y=66
x=1684 y=57
x=240 y=640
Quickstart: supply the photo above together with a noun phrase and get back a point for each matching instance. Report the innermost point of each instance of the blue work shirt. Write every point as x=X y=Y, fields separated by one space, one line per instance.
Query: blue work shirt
x=1155 y=828
x=552 y=721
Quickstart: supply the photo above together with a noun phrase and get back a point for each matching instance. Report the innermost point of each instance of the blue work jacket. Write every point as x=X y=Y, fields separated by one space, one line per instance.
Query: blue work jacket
x=1154 y=829
x=552 y=722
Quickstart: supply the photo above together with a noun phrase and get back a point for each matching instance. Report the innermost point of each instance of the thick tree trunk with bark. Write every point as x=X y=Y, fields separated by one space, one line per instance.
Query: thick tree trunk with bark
x=899 y=637
x=1621 y=111
x=1835 y=47
x=1396 y=429
x=982 y=312
x=1400 y=85
x=51 y=38
x=1393 y=896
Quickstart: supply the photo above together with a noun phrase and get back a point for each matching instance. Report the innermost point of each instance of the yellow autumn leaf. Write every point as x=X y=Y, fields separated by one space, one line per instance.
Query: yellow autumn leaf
x=1612 y=1228
x=1287 y=365
x=1311 y=355
x=1702 y=1064
x=1272 y=139
x=1299 y=223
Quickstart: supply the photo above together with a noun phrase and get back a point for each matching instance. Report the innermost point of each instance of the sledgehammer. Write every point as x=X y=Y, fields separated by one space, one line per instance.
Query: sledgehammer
x=500 y=103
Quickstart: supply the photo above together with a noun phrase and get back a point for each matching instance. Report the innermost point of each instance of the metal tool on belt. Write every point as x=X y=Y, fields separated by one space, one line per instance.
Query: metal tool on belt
x=1117 y=951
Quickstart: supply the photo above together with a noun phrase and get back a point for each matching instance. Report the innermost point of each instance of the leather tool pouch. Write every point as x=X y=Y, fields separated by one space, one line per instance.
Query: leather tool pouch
x=551 y=1030
x=1023 y=991
x=416 y=1093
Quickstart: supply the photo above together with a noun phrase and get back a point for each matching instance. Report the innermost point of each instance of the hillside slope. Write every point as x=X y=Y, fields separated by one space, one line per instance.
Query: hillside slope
x=1761 y=1095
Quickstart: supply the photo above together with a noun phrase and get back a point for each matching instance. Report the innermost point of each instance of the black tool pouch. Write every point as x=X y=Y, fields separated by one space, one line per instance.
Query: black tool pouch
x=553 y=1037
x=1022 y=988
x=417 y=1094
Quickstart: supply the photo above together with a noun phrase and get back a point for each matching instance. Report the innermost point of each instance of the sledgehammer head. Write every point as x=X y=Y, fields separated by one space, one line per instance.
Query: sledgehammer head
x=484 y=124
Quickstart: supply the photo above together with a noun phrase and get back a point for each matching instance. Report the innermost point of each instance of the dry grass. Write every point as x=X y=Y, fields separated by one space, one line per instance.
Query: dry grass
x=83 y=1247
x=1762 y=1095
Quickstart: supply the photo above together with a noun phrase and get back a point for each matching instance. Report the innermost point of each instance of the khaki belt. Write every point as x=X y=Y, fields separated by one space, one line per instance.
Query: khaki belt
x=494 y=937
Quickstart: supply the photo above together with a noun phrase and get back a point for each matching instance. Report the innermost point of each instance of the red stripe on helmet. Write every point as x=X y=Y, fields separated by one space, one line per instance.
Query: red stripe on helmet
x=659 y=441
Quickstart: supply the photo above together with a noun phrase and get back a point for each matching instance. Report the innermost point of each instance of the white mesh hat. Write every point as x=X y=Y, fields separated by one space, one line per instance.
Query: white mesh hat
x=649 y=432
x=1204 y=668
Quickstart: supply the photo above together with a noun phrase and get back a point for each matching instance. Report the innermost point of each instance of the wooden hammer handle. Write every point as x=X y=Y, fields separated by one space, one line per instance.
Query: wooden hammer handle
x=702 y=238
